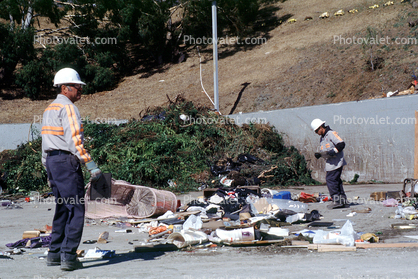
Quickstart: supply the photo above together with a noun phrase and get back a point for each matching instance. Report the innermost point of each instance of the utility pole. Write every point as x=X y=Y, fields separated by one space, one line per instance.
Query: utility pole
x=215 y=56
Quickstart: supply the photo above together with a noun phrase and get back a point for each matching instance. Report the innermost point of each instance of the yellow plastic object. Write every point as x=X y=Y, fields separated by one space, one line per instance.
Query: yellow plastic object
x=371 y=237
x=339 y=13
x=324 y=15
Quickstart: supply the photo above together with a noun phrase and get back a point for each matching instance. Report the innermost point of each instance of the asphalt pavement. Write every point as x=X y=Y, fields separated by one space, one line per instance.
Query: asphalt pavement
x=222 y=262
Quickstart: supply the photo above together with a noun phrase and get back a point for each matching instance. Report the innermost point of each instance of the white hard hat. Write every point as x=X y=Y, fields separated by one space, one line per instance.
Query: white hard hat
x=316 y=123
x=67 y=75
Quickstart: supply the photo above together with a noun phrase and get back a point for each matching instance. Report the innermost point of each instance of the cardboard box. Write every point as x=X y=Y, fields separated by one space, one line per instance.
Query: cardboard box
x=397 y=195
x=378 y=196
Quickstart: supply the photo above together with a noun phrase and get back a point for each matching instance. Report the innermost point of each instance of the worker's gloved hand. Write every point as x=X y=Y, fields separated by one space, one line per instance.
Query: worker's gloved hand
x=95 y=174
x=332 y=152
x=317 y=155
x=94 y=170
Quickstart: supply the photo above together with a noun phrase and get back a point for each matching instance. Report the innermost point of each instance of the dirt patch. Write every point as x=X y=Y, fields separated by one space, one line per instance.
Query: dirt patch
x=274 y=249
x=386 y=235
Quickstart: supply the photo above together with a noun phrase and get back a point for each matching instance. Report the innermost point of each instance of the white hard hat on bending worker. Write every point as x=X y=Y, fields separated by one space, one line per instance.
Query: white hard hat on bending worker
x=316 y=123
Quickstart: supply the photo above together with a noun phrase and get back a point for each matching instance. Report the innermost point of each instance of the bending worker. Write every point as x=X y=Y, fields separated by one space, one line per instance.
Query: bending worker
x=332 y=146
x=62 y=154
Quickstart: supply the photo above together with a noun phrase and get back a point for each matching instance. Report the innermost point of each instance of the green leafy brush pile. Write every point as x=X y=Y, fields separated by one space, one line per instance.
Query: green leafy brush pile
x=163 y=147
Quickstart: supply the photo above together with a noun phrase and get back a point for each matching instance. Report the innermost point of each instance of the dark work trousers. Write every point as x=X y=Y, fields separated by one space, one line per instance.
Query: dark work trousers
x=335 y=186
x=66 y=179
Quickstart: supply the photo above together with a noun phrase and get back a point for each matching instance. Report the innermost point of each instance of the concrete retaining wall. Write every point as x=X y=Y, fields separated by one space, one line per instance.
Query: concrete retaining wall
x=13 y=135
x=379 y=135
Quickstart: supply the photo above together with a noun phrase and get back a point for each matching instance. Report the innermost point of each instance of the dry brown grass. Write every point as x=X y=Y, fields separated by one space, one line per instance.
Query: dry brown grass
x=298 y=66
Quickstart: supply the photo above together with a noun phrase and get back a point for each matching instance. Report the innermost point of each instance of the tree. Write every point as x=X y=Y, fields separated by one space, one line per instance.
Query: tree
x=22 y=12
x=16 y=45
x=142 y=32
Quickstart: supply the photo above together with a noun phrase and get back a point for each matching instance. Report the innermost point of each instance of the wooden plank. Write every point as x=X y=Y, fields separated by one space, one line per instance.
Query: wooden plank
x=300 y=243
x=295 y=246
x=416 y=146
x=331 y=248
x=253 y=243
x=386 y=245
x=31 y=234
x=336 y=248
x=313 y=246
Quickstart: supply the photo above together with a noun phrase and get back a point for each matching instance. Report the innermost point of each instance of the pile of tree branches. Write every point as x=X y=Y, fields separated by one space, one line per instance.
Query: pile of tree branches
x=171 y=147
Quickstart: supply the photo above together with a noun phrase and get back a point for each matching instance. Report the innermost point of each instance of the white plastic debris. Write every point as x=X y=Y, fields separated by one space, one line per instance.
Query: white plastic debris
x=193 y=222
x=97 y=253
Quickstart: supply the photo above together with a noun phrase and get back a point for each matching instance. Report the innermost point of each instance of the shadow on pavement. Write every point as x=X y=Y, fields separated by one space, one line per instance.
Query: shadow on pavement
x=124 y=257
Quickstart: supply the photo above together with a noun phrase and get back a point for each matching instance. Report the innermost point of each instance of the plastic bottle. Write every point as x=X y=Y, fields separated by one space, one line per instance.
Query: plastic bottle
x=399 y=212
x=295 y=206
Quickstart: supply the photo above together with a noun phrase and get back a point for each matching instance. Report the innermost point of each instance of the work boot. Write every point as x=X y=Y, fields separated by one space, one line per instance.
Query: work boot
x=335 y=205
x=344 y=202
x=53 y=259
x=71 y=265
x=346 y=205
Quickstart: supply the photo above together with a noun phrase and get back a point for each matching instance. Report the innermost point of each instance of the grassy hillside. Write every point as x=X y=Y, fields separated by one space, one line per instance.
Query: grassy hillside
x=300 y=64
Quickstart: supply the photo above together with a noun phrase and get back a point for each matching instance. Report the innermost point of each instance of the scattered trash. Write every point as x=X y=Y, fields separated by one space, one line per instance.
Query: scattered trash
x=31 y=234
x=278 y=231
x=167 y=215
x=130 y=201
x=390 y=203
x=305 y=232
x=97 y=253
x=307 y=198
x=124 y=231
x=295 y=206
x=346 y=236
x=193 y=222
x=412 y=236
x=34 y=196
x=365 y=210
x=6 y=202
x=41 y=241
x=246 y=234
x=370 y=237
x=187 y=238
x=378 y=196
x=225 y=181
x=157 y=230
x=103 y=237
x=404 y=226
x=284 y=195
x=171 y=183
